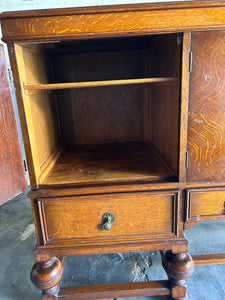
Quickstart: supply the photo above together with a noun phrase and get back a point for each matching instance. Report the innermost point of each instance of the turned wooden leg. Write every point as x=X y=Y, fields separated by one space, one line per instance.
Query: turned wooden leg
x=46 y=276
x=178 y=268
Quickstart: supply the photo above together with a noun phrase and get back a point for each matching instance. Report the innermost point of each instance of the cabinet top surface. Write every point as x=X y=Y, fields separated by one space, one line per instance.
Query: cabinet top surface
x=111 y=8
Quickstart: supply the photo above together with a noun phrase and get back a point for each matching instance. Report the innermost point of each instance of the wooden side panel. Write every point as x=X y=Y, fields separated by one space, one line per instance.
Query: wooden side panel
x=44 y=116
x=101 y=114
x=12 y=176
x=206 y=122
x=165 y=100
x=40 y=109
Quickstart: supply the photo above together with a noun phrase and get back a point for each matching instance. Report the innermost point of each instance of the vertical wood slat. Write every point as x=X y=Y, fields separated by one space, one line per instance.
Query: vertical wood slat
x=184 y=105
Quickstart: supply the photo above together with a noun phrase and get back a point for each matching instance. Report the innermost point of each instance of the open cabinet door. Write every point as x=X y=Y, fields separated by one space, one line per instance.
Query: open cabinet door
x=12 y=174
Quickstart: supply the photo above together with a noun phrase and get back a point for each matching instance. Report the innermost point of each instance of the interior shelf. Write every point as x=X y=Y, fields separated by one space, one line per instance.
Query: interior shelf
x=57 y=86
x=93 y=164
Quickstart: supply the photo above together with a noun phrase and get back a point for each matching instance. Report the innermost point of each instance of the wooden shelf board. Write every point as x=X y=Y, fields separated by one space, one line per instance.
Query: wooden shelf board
x=57 y=86
x=95 y=164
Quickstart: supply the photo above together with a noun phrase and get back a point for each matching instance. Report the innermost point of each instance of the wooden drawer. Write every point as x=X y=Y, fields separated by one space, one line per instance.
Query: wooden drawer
x=80 y=217
x=205 y=204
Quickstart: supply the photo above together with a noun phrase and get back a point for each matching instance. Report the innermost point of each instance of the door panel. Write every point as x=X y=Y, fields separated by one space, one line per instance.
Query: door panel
x=206 y=119
x=12 y=175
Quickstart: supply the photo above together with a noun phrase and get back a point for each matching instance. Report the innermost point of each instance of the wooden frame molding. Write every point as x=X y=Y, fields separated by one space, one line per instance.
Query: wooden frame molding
x=117 y=21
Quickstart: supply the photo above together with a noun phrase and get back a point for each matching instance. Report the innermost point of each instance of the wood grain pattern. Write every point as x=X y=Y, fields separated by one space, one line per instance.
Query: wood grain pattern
x=206 y=122
x=80 y=218
x=12 y=175
x=108 y=163
x=93 y=23
x=134 y=289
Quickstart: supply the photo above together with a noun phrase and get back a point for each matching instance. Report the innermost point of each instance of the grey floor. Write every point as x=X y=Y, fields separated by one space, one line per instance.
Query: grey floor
x=17 y=241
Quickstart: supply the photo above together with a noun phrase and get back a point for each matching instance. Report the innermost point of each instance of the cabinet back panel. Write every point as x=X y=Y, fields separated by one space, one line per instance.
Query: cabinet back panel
x=107 y=65
x=40 y=109
x=101 y=114
x=206 y=121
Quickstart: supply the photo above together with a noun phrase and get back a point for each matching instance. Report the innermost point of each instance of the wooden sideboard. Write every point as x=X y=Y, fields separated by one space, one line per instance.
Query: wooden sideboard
x=122 y=110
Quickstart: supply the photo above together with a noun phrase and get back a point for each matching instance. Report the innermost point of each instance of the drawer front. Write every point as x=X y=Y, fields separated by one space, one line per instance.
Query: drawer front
x=80 y=217
x=206 y=204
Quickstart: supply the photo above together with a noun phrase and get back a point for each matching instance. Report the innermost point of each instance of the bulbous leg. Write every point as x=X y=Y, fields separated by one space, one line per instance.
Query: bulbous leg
x=46 y=276
x=178 y=268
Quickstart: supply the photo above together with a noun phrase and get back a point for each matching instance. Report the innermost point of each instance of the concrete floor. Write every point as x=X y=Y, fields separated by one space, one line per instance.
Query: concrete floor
x=17 y=241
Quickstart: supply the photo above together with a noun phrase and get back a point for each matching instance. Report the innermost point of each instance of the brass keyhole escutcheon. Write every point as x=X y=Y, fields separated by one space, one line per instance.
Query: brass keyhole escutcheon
x=108 y=218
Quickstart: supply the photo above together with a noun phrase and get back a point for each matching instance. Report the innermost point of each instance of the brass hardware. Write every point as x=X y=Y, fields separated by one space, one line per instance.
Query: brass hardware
x=187 y=159
x=190 y=61
x=108 y=219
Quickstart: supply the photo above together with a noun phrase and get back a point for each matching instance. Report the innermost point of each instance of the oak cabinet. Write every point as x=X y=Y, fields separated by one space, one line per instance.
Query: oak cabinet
x=122 y=112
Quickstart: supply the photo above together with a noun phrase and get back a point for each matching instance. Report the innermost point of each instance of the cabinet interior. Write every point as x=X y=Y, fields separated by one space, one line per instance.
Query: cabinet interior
x=102 y=110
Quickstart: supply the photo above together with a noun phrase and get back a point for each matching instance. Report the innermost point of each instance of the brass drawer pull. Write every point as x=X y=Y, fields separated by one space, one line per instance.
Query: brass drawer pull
x=108 y=219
